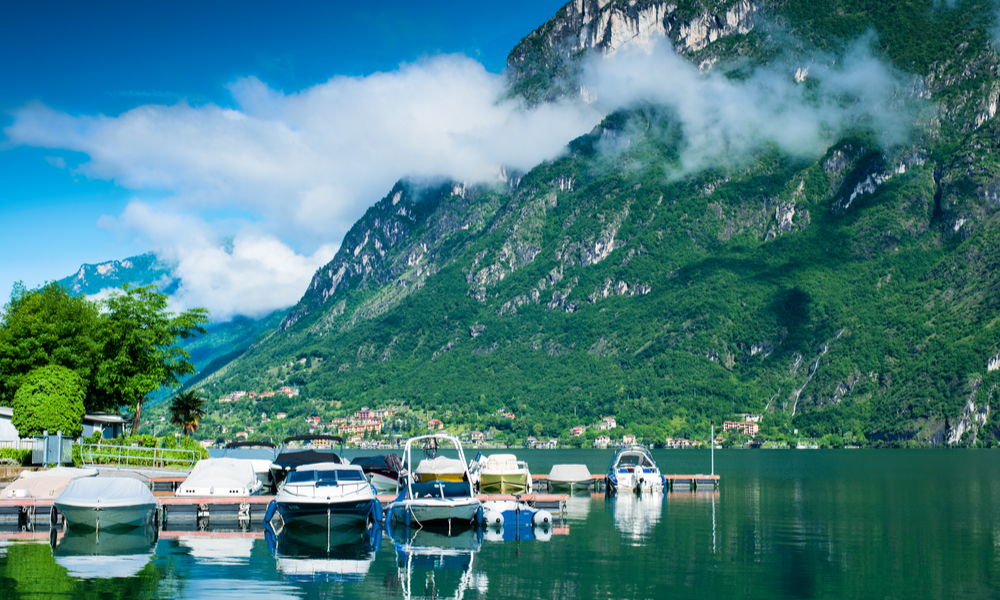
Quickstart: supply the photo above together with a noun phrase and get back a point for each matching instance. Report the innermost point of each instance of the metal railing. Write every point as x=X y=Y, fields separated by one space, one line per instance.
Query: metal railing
x=21 y=444
x=136 y=456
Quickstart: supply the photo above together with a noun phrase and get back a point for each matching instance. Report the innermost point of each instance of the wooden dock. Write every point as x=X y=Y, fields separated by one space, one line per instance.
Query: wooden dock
x=675 y=483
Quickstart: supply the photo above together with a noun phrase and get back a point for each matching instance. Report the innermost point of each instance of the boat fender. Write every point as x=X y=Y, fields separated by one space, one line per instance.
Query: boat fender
x=272 y=507
x=542 y=534
x=54 y=516
x=493 y=518
x=541 y=518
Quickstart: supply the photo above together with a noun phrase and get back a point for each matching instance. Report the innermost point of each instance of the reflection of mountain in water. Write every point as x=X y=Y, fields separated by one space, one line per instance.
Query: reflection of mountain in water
x=218 y=551
x=636 y=515
x=334 y=556
x=106 y=554
x=431 y=564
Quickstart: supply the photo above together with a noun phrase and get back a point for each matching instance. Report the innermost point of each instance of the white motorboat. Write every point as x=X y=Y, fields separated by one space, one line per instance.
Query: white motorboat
x=221 y=477
x=45 y=484
x=329 y=495
x=436 y=497
x=570 y=478
x=99 y=502
x=304 y=450
x=503 y=474
x=633 y=470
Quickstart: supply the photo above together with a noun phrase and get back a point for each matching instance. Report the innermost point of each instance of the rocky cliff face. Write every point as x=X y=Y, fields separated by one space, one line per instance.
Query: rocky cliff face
x=852 y=294
x=136 y=270
x=543 y=66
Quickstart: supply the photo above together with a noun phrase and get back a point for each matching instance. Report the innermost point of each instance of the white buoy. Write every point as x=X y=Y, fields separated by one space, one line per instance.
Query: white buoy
x=541 y=517
x=493 y=517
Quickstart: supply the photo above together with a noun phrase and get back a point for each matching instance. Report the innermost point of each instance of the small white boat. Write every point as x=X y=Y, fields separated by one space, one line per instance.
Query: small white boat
x=99 y=502
x=633 y=470
x=382 y=471
x=328 y=495
x=436 y=497
x=45 y=484
x=569 y=477
x=221 y=477
x=502 y=473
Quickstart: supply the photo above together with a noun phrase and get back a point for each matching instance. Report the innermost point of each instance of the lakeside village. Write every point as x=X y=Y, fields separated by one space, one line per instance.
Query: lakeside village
x=234 y=418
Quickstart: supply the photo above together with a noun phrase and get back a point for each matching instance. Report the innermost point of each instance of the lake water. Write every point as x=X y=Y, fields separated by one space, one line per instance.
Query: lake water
x=784 y=524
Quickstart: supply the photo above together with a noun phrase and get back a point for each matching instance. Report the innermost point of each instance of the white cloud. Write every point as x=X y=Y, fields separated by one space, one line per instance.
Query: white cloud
x=300 y=168
x=725 y=120
x=252 y=275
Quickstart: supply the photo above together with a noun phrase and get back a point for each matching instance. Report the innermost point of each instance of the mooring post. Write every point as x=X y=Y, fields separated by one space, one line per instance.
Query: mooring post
x=711 y=443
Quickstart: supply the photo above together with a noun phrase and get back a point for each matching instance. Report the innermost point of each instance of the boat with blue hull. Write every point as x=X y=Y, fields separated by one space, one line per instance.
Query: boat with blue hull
x=633 y=470
x=433 y=499
x=326 y=495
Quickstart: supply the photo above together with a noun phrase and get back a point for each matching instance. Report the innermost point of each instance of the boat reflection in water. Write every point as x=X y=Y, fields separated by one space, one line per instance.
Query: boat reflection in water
x=578 y=505
x=433 y=564
x=107 y=554
x=635 y=515
x=219 y=549
x=322 y=556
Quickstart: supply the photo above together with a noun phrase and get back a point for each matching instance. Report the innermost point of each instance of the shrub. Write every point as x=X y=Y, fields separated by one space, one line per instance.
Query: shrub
x=50 y=398
x=15 y=455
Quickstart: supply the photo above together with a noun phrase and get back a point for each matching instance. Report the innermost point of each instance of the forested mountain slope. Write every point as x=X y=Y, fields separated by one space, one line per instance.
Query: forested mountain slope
x=850 y=290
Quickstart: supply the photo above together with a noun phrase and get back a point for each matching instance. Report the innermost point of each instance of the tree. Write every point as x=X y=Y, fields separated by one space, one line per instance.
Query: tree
x=186 y=409
x=48 y=326
x=138 y=337
x=50 y=398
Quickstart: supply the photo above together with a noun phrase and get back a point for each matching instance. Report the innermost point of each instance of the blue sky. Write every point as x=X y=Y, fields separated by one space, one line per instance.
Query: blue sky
x=78 y=61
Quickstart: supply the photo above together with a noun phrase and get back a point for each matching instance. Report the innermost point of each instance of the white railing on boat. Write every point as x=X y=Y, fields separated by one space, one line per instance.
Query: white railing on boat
x=136 y=456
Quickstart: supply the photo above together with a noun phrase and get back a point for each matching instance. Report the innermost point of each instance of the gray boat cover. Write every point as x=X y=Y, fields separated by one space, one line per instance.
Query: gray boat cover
x=220 y=475
x=441 y=465
x=569 y=473
x=106 y=492
x=45 y=484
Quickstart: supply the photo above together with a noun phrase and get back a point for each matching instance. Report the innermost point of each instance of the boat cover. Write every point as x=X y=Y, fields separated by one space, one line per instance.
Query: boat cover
x=441 y=465
x=288 y=460
x=569 y=473
x=106 y=492
x=220 y=474
x=501 y=462
x=389 y=464
x=45 y=484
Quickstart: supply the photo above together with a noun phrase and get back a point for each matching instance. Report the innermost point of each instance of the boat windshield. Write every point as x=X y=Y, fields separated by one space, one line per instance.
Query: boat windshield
x=332 y=477
x=634 y=458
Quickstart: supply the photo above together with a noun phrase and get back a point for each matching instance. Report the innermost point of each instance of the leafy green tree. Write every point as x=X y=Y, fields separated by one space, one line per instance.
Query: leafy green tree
x=50 y=398
x=186 y=409
x=47 y=326
x=138 y=338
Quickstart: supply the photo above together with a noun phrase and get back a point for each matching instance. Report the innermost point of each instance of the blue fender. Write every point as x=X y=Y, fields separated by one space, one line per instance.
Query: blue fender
x=272 y=507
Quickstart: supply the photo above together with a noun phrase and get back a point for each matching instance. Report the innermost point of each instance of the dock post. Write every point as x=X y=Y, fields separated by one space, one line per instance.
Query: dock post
x=711 y=444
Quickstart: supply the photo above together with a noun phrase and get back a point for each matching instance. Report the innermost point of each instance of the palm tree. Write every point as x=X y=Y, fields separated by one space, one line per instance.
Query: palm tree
x=186 y=409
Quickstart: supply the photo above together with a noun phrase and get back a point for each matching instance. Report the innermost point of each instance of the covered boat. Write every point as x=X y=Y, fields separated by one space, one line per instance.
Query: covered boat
x=45 y=484
x=633 y=470
x=504 y=474
x=99 y=502
x=260 y=454
x=221 y=477
x=440 y=468
x=304 y=450
x=328 y=495
x=382 y=471
x=436 y=497
x=569 y=477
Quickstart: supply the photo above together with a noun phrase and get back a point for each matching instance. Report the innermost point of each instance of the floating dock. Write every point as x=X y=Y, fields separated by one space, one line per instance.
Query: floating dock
x=674 y=483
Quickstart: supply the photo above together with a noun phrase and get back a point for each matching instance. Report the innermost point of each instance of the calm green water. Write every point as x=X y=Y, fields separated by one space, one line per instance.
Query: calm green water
x=784 y=524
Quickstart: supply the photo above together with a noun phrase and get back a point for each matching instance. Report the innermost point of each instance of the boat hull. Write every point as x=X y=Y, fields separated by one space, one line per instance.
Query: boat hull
x=98 y=518
x=569 y=486
x=383 y=483
x=434 y=510
x=504 y=483
x=335 y=515
x=649 y=481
